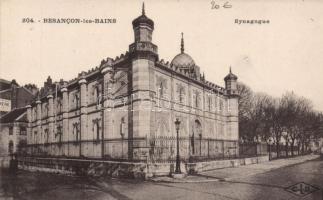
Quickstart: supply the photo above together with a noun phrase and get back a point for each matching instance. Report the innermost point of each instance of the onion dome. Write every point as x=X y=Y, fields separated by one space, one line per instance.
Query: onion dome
x=182 y=59
x=230 y=76
x=143 y=19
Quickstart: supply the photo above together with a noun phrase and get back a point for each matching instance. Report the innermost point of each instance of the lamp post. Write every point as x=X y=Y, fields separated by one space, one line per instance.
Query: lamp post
x=178 y=167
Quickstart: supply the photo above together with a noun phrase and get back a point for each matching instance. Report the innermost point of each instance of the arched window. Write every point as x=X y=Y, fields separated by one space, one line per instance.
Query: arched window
x=23 y=130
x=98 y=93
x=96 y=128
x=196 y=99
x=35 y=137
x=10 y=130
x=122 y=127
x=198 y=127
x=210 y=103
x=59 y=105
x=46 y=135
x=161 y=90
x=76 y=131
x=197 y=132
x=10 y=147
x=35 y=114
x=59 y=133
x=221 y=104
x=181 y=94
x=46 y=108
x=76 y=100
x=216 y=102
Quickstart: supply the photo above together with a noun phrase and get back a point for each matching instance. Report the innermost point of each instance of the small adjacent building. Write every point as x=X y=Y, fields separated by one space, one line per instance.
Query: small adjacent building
x=13 y=134
x=12 y=95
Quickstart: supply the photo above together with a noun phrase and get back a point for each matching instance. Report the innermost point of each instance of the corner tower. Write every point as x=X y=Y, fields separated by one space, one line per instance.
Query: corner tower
x=232 y=106
x=143 y=55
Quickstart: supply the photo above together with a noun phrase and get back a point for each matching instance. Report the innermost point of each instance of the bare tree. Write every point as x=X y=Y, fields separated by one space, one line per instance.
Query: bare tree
x=245 y=103
x=292 y=117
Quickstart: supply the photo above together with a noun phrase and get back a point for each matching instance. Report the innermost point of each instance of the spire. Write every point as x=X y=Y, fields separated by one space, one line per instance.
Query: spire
x=143 y=8
x=182 y=43
x=230 y=76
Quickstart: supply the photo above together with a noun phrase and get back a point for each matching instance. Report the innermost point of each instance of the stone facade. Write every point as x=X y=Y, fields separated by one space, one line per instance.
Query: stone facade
x=126 y=107
x=13 y=133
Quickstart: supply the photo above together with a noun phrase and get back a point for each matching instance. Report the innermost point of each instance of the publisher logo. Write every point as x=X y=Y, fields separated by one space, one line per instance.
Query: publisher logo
x=301 y=189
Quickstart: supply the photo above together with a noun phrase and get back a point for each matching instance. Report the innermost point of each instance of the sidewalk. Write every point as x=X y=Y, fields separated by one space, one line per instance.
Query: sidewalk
x=227 y=174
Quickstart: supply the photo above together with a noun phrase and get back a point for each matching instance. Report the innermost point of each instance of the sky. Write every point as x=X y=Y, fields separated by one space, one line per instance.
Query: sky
x=283 y=55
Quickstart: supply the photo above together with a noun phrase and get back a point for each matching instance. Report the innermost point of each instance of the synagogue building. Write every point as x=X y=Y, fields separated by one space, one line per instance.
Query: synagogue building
x=125 y=108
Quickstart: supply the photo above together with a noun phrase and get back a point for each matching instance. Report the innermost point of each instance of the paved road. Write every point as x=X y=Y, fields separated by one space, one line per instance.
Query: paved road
x=255 y=184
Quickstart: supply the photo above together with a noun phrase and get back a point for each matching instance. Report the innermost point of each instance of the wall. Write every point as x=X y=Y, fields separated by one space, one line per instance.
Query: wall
x=126 y=169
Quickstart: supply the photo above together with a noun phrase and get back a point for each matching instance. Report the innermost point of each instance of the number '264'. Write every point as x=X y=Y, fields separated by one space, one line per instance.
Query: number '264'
x=28 y=20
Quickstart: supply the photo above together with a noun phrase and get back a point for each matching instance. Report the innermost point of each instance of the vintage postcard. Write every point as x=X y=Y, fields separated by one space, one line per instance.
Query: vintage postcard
x=175 y=99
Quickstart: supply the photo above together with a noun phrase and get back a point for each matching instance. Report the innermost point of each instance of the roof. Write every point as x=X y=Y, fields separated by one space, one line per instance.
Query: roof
x=183 y=60
x=4 y=81
x=230 y=76
x=16 y=115
x=143 y=19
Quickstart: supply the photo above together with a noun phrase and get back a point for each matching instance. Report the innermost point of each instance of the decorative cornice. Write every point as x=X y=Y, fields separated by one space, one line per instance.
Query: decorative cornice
x=64 y=89
x=82 y=81
x=106 y=69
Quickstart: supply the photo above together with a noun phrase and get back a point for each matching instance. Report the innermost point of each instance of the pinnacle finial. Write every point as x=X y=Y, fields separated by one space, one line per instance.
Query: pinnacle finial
x=230 y=70
x=182 y=43
x=143 y=8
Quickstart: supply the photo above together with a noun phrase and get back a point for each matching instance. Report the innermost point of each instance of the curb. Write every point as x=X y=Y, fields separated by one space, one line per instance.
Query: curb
x=223 y=179
x=187 y=181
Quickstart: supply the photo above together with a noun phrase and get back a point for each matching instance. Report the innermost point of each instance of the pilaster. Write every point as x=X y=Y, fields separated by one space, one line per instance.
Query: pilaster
x=107 y=72
x=50 y=118
x=83 y=120
x=65 y=133
x=65 y=130
x=29 y=132
x=38 y=122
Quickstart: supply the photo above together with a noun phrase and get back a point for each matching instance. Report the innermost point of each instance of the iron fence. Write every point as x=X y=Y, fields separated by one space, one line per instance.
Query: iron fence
x=249 y=149
x=163 y=149
x=283 y=151
x=160 y=149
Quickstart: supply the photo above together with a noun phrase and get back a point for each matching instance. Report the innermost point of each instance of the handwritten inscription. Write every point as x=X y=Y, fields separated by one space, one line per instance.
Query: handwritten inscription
x=218 y=5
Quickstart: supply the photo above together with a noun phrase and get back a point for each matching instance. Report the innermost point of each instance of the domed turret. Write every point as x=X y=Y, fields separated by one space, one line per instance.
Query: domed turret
x=143 y=19
x=182 y=59
x=143 y=27
x=185 y=62
x=143 y=47
x=230 y=76
x=231 y=83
